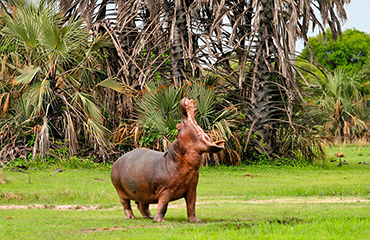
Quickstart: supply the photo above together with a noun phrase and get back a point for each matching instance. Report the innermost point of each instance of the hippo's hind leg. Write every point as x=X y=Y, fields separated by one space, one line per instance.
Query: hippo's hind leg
x=144 y=210
x=127 y=208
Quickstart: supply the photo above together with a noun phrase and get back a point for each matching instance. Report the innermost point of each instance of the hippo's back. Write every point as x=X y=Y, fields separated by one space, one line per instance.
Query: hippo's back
x=137 y=174
x=140 y=158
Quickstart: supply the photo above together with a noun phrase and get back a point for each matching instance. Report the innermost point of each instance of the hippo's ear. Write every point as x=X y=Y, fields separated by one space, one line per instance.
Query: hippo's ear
x=216 y=146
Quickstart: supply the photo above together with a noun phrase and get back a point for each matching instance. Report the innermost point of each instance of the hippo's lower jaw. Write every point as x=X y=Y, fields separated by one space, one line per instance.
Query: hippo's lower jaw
x=220 y=144
x=216 y=146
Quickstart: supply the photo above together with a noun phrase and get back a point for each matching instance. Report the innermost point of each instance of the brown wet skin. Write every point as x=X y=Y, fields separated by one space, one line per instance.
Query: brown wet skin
x=147 y=176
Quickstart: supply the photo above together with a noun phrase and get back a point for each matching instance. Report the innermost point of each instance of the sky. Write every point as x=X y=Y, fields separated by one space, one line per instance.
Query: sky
x=358 y=16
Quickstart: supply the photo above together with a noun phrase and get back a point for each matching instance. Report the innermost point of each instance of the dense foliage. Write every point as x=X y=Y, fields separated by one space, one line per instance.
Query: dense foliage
x=47 y=74
x=79 y=84
x=350 y=52
x=345 y=106
x=341 y=73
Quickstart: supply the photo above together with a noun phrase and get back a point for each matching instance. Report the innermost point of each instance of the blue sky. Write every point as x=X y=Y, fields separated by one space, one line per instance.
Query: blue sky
x=358 y=16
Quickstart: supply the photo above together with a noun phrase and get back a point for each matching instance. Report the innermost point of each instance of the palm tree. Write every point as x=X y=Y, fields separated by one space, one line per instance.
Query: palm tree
x=274 y=89
x=262 y=42
x=249 y=44
x=343 y=105
x=48 y=75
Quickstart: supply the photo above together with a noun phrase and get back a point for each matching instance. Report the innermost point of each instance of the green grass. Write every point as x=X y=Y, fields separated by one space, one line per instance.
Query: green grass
x=72 y=186
x=220 y=221
x=353 y=154
x=230 y=203
x=247 y=182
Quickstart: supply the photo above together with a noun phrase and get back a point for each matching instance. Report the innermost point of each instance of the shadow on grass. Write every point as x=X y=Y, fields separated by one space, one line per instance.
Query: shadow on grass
x=240 y=223
x=209 y=225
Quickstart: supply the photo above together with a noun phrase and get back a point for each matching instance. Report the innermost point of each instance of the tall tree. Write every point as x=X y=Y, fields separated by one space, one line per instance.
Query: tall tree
x=351 y=52
x=249 y=43
x=268 y=92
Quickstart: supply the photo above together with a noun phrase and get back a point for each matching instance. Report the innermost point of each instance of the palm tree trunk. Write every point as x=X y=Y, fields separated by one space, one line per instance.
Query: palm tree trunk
x=179 y=44
x=265 y=97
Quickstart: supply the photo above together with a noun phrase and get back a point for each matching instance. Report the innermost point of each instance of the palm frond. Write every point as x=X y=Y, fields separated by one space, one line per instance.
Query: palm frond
x=4 y=105
x=70 y=134
x=89 y=107
x=27 y=74
x=36 y=96
x=117 y=86
x=97 y=134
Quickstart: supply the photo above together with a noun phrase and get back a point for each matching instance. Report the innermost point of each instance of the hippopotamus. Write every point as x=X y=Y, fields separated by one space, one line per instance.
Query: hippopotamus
x=147 y=176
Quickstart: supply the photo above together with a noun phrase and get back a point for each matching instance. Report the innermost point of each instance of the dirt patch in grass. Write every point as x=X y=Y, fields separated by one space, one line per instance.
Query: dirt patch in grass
x=115 y=228
x=201 y=202
x=54 y=207
x=308 y=200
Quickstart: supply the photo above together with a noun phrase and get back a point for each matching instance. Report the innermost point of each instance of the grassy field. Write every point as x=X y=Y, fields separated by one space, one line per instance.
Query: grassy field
x=247 y=202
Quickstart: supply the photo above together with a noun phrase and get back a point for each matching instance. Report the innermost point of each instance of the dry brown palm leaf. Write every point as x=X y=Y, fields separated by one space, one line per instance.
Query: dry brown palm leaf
x=5 y=105
x=70 y=134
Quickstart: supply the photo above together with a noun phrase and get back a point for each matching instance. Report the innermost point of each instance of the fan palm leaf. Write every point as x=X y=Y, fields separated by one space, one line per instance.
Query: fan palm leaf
x=36 y=96
x=27 y=74
x=59 y=64
x=342 y=101
x=89 y=107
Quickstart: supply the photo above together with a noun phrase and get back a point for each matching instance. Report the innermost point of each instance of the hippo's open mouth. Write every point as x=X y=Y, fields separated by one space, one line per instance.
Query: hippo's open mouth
x=188 y=110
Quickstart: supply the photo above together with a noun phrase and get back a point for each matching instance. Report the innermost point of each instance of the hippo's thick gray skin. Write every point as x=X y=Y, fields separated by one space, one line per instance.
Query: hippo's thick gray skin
x=147 y=176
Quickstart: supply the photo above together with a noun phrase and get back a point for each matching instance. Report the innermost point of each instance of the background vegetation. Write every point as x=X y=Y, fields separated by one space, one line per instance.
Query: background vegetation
x=97 y=79
x=341 y=74
x=82 y=82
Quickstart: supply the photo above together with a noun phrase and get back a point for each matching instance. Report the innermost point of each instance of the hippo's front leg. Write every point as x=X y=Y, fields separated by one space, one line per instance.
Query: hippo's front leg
x=163 y=201
x=190 y=199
